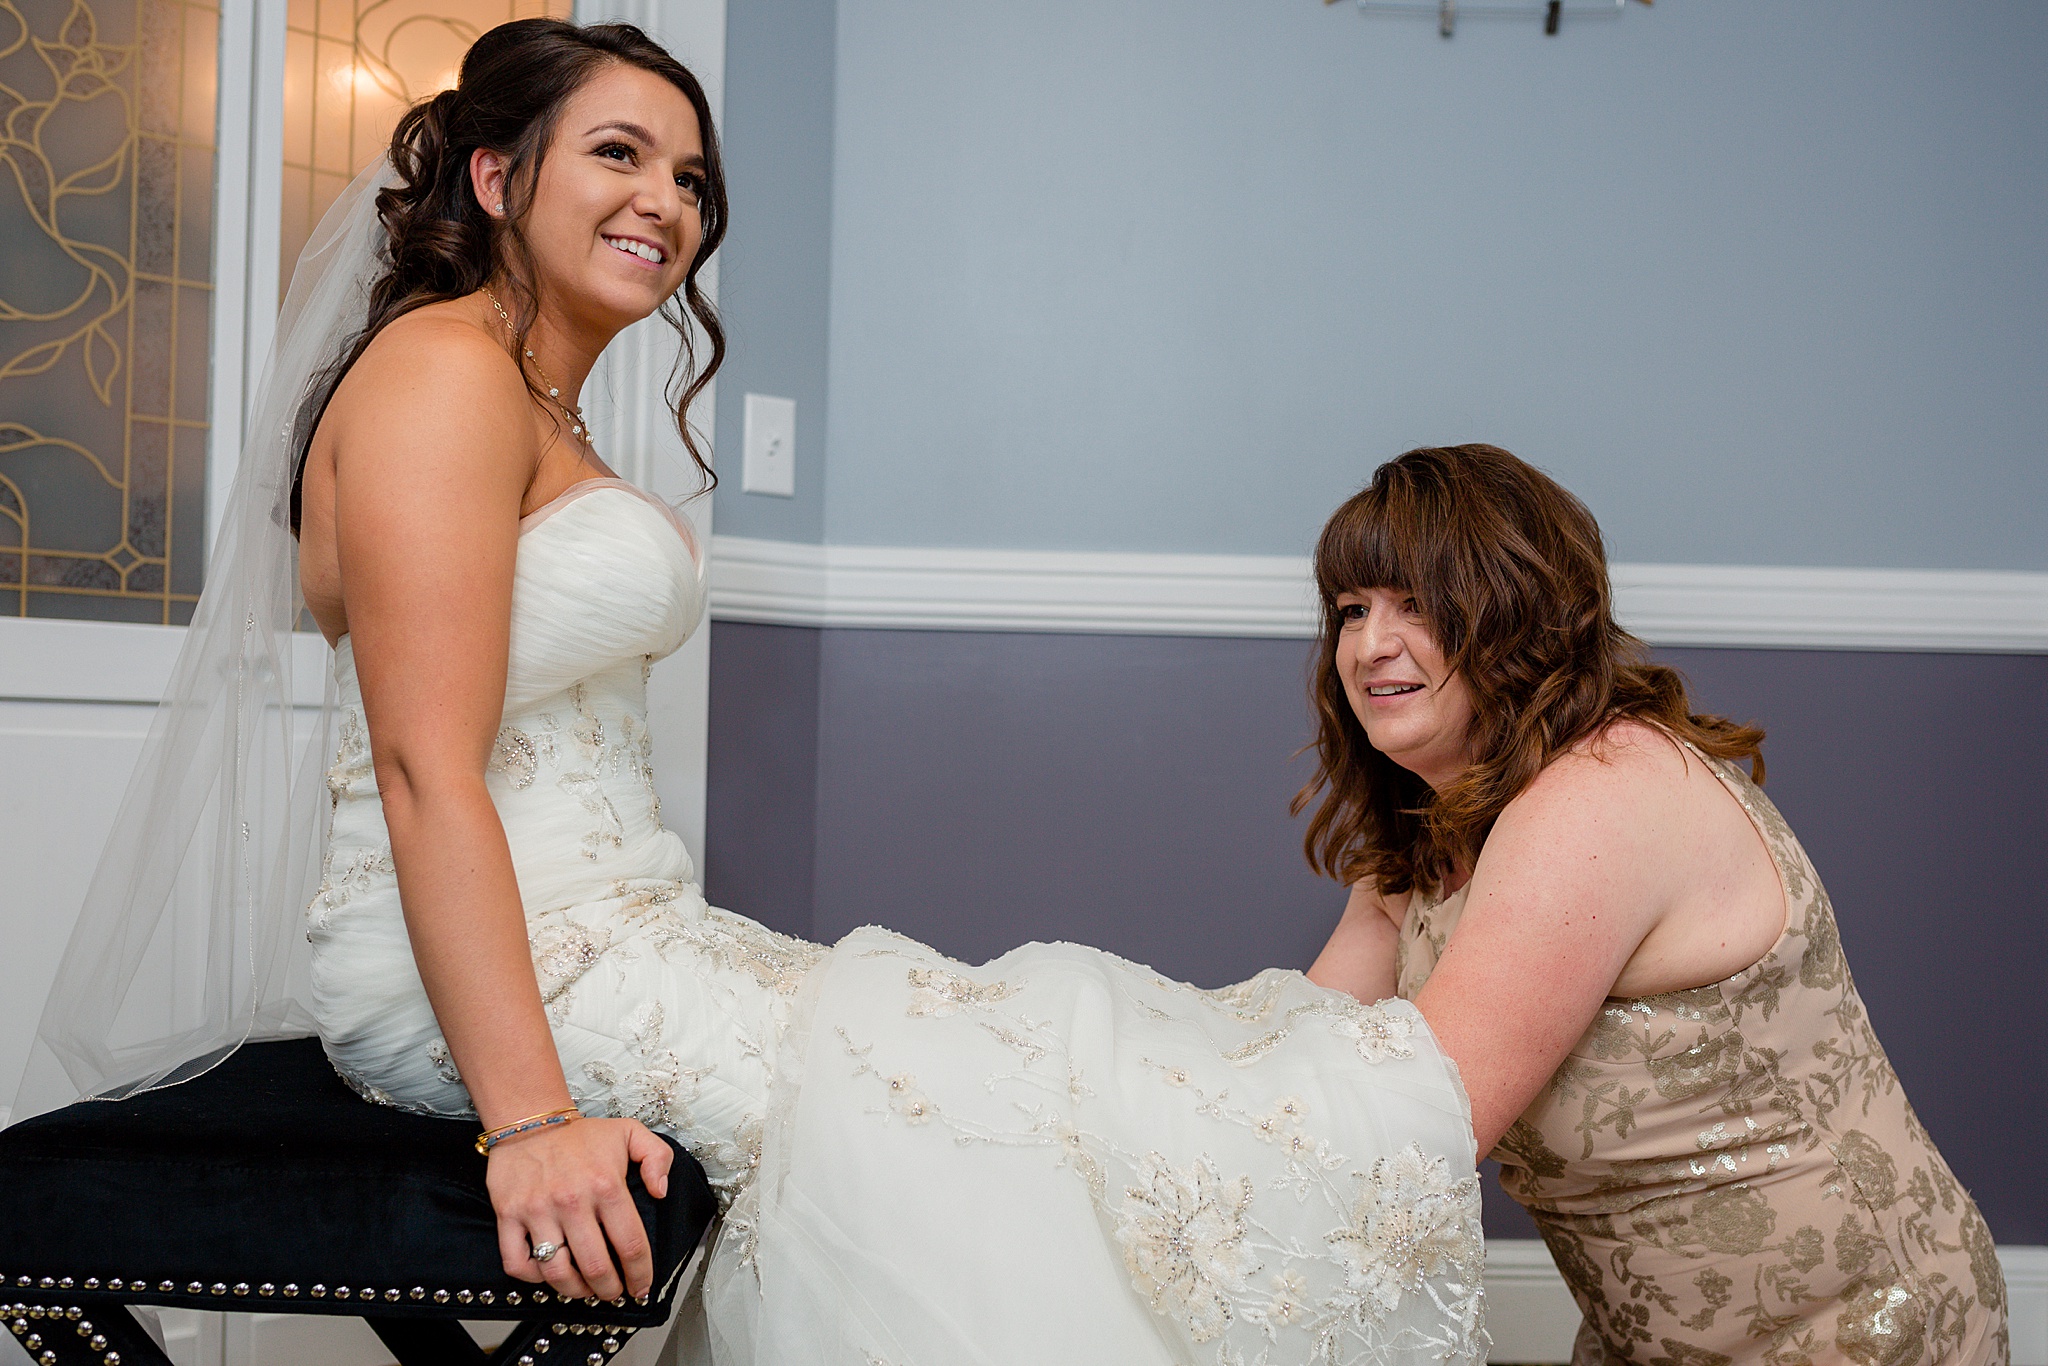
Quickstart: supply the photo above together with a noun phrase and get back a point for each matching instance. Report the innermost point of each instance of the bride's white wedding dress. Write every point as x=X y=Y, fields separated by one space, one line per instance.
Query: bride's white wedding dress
x=1059 y=1156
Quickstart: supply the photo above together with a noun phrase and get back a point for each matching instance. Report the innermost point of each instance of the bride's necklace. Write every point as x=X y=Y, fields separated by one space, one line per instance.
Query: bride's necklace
x=579 y=427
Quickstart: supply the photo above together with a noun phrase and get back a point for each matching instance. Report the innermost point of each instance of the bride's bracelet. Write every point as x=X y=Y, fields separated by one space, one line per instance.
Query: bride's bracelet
x=491 y=1138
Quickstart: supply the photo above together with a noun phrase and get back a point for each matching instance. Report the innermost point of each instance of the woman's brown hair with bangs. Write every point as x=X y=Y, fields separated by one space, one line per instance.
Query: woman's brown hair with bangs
x=1510 y=576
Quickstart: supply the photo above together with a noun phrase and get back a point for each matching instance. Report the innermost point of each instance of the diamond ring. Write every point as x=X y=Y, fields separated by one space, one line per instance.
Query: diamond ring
x=543 y=1251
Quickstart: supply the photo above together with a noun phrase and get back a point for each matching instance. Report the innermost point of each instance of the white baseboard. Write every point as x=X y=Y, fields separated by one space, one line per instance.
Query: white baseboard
x=1529 y=1312
x=1270 y=595
x=1533 y=1318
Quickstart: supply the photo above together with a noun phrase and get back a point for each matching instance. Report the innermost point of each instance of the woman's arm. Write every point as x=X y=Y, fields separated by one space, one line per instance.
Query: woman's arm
x=1571 y=879
x=433 y=446
x=1360 y=955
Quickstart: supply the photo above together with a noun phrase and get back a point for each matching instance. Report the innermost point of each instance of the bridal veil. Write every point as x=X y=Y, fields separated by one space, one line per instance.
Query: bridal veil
x=188 y=941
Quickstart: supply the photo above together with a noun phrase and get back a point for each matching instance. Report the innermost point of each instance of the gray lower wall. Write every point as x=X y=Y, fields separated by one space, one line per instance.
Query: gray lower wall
x=977 y=790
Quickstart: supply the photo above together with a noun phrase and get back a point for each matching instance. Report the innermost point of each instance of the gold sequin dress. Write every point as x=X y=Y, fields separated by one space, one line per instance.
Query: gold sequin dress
x=1733 y=1174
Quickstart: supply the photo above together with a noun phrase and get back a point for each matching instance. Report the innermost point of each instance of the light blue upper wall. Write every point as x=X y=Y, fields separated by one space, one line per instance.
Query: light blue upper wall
x=774 y=285
x=1763 y=282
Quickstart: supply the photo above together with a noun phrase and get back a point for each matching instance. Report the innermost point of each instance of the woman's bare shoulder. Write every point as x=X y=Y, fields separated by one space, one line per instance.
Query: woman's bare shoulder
x=439 y=350
x=1625 y=760
x=1608 y=794
x=434 y=396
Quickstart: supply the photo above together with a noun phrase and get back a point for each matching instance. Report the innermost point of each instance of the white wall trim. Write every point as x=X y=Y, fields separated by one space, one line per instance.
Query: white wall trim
x=1269 y=595
x=1532 y=1316
x=2026 y=1288
x=46 y=659
x=1009 y=590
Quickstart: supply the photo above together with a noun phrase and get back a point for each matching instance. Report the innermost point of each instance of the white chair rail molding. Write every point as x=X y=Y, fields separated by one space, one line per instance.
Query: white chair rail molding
x=1736 y=606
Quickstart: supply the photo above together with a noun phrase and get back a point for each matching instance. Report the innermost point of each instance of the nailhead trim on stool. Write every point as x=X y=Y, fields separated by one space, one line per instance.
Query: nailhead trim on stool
x=273 y=1174
x=24 y=1319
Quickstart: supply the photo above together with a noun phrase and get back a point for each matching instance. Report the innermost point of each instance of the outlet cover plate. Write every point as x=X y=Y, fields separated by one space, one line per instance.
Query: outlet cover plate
x=770 y=463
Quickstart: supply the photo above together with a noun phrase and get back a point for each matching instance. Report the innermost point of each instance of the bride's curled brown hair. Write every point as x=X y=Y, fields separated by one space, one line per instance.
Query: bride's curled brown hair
x=1510 y=576
x=440 y=243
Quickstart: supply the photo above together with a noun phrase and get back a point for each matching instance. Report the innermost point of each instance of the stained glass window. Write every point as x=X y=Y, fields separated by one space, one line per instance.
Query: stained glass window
x=107 y=111
x=351 y=68
x=106 y=216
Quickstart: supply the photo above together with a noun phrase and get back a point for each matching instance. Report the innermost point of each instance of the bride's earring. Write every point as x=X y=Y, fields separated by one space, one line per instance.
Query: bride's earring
x=500 y=210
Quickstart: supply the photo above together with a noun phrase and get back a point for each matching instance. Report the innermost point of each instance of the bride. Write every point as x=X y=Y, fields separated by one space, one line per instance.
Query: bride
x=1058 y=1156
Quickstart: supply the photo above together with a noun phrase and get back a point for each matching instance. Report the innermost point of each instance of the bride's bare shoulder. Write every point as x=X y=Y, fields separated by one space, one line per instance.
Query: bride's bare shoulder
x=433 y=365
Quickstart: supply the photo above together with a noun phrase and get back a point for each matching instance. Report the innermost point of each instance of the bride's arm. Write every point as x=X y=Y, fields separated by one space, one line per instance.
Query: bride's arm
x=434 y=446
x=1360 y=955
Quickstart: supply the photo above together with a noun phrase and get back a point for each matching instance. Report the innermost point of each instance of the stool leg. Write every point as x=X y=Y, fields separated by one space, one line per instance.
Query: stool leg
x=429 y=1342
x=104 y=1332
x=525 y=1346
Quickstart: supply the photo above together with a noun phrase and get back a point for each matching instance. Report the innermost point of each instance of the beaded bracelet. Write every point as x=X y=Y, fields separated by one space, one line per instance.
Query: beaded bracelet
x=491 y=1138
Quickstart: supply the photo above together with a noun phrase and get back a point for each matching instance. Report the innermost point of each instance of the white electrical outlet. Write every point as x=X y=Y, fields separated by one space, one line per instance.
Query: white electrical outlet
x=770 y=463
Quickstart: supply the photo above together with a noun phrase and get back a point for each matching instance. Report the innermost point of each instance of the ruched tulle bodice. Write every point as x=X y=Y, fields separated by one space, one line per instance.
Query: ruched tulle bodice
x=572 y=769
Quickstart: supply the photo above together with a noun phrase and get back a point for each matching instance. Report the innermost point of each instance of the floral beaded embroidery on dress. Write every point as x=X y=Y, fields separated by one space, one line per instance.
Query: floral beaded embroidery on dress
x=1733 y=1173
x=1271 y=1173
x=1059 y=1156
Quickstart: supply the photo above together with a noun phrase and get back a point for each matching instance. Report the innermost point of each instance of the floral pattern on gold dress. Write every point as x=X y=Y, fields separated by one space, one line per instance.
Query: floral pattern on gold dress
x=1732 y=1173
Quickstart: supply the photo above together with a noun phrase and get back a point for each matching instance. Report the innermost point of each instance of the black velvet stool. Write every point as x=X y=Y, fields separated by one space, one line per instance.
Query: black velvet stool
x=267 y=1186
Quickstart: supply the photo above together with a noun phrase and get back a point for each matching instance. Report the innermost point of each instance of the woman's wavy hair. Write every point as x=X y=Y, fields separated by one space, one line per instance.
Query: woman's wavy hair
x=441 y=245
x=1509 y=574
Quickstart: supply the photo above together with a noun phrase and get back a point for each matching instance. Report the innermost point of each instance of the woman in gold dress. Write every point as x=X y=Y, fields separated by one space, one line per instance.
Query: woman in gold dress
x=1615 y=935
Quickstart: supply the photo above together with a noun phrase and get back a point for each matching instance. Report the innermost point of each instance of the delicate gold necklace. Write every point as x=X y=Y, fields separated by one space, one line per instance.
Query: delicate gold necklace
x=578 y=426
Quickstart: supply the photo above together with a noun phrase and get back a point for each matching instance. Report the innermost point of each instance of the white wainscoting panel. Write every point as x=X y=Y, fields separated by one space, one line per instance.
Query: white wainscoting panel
x=1270 y=595
x=64 y=766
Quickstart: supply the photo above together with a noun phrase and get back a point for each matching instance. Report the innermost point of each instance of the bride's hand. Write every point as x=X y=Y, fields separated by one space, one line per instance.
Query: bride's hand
x=566 y=1185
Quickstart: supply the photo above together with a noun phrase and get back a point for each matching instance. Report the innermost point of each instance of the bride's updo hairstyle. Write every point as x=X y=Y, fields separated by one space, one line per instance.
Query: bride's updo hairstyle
x=440 y=243
x=1508 y=571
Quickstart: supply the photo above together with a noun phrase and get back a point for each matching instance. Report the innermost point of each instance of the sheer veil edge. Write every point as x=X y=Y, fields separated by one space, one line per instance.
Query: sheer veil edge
x=188 y=943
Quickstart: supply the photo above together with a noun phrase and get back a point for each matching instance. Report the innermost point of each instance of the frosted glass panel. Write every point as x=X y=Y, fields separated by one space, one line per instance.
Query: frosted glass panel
x=352 y=67
x=106 y=299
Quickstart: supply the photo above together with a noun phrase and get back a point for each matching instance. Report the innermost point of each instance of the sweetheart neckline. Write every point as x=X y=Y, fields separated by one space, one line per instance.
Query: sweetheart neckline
x=583 y=487
x=574 y=493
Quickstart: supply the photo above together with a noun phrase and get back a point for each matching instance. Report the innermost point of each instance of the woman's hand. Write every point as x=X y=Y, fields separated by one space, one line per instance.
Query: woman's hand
x=566 y=1185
